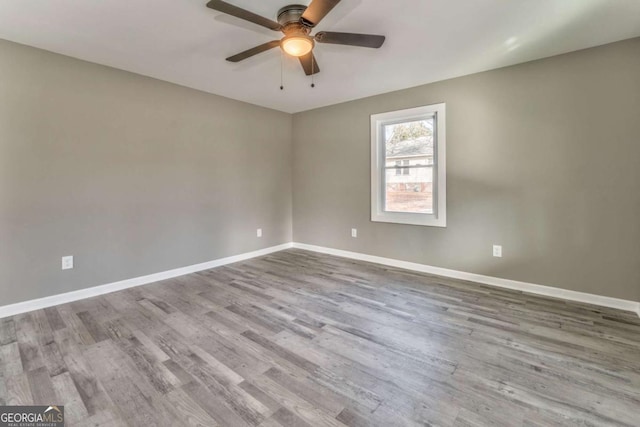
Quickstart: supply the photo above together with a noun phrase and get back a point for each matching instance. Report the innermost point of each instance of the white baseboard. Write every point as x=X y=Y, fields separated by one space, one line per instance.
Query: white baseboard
x=531 y=288
x=37 y=304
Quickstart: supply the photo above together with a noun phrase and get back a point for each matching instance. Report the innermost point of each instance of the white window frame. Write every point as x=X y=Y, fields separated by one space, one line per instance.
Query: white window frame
x=439 y=216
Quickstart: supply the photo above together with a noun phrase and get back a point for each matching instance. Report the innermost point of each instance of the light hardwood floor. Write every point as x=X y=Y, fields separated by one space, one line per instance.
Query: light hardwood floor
x=302 y=339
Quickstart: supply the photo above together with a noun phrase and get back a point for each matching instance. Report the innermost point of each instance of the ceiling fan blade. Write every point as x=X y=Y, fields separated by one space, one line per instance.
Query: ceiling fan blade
x=232 y=10
x=253 y=51
x=317 y=10
x=309 y=64
x=351 y=39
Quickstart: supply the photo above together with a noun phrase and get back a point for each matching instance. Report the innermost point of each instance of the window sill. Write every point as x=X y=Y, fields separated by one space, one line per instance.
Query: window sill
x=410 y=219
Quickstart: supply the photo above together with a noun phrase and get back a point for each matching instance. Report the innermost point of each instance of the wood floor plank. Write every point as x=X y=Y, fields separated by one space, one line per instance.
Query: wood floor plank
x=55 y=321
x=261 y=396
x=10 y=360
x=3 y=392
x=91 y=391
x=297 y=405
x=41 y=386
x=270 y=422
x=53 y=359
x=189 y=412
x=288 y=418
x=214 y=405
x=18 y=390
x=7 y=331
x=28 y=338
x=65 y=388
x=311 y=392
x=107 y=418
x=128 y=389
x=94 y=328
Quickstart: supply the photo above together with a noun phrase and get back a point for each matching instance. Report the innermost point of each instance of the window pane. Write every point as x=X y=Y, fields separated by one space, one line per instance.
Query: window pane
x=412 y=192
x=409 y=139
x=409 y=155
x=406 y=171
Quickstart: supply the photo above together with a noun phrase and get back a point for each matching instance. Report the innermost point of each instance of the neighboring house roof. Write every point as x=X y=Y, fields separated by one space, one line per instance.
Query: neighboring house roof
x=422 y=146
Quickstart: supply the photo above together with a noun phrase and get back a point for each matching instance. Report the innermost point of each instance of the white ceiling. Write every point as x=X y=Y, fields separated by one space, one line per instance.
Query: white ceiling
x=183 y=42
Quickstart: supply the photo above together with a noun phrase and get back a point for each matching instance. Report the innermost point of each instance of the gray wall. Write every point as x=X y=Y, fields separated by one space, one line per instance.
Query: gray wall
x=543 y=158
x=135 y=176
x=129 y=174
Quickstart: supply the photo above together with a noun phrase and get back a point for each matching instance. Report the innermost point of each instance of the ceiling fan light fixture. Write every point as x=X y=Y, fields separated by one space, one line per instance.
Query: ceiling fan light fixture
x=297 y=45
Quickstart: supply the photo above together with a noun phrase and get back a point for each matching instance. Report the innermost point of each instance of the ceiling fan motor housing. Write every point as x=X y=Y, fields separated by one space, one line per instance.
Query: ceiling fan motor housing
x=289 y=18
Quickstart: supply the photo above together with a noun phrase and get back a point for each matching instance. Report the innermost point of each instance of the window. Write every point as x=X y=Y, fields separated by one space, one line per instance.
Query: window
x=401 y=167
x=408 y=169
x=405 y=170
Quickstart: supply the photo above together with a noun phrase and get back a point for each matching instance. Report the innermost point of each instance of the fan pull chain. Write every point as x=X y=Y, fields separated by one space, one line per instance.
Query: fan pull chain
x=281 y=72
x=313 y=69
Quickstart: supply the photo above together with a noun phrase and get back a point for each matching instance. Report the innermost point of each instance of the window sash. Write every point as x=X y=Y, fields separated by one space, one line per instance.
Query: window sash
x=382 y=137
x=385 y=183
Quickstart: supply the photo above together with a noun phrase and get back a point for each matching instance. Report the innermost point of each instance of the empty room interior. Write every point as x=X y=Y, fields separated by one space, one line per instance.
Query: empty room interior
x=332 y=213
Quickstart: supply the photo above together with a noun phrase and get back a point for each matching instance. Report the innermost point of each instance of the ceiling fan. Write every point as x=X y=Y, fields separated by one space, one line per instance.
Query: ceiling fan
x=296 y=22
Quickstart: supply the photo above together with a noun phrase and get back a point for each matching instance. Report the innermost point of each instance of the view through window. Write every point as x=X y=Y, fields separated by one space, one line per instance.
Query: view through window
x=409 y=162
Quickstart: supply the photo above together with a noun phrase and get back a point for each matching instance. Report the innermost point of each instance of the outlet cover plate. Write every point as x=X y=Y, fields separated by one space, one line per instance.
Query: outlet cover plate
x=67 y=262
x=497 y=251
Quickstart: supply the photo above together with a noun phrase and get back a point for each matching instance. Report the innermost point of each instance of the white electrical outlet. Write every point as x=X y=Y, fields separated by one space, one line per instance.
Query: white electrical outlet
x=259 y=232
x=67 y=262
x=497 y=251
x=354 y=232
